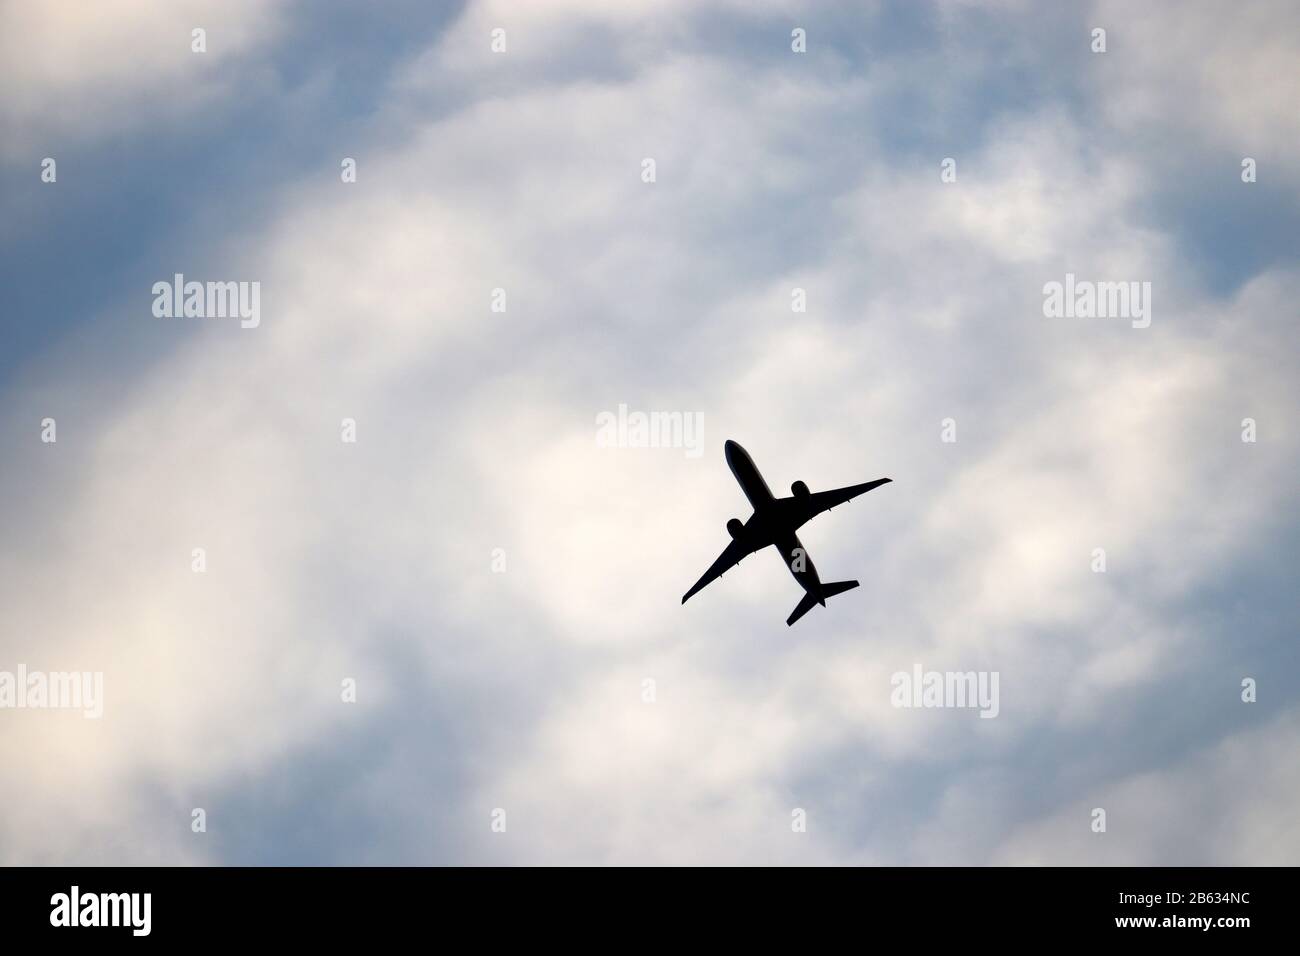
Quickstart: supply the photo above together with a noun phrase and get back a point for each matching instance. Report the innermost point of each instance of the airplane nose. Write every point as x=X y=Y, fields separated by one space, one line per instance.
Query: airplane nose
x=729 y=448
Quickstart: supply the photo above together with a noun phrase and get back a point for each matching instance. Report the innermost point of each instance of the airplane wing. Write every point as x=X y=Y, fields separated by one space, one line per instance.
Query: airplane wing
x=735 y=552
x=802 y=508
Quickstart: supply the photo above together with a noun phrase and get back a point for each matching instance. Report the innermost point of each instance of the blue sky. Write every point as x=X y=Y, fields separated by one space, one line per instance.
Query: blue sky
x=522 y=689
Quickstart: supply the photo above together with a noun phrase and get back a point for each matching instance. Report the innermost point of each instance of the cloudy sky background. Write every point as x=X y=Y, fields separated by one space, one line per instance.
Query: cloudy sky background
x=523 y=690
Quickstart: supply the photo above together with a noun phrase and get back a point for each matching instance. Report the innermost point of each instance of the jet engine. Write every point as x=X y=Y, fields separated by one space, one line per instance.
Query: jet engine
x=799 y=489
x=734 y=527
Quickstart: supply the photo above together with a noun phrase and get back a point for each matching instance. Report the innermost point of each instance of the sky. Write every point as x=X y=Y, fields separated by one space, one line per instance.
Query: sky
x=458 y=638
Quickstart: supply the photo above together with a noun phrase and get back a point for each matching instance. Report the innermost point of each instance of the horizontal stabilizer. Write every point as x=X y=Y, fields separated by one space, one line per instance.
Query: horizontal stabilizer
x=828 y=590
x=838 y=587
x=805 y=605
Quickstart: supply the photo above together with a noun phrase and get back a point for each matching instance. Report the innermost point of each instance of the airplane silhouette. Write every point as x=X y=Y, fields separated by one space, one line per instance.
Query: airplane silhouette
x=774 y=522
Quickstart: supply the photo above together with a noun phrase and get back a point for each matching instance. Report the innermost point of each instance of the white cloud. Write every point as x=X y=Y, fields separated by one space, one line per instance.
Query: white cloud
x=1206 y=73
x=477 y=430
x=1230 y=803
x=84 y=70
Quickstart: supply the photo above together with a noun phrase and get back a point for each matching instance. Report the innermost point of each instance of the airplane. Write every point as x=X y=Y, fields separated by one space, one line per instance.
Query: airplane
x=774 y=522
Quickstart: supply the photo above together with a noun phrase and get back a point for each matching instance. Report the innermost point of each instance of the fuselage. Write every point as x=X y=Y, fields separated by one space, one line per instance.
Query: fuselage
x=776 y=530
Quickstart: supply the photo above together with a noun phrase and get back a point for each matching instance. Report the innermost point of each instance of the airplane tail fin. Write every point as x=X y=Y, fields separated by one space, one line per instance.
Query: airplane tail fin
x=809 y=601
